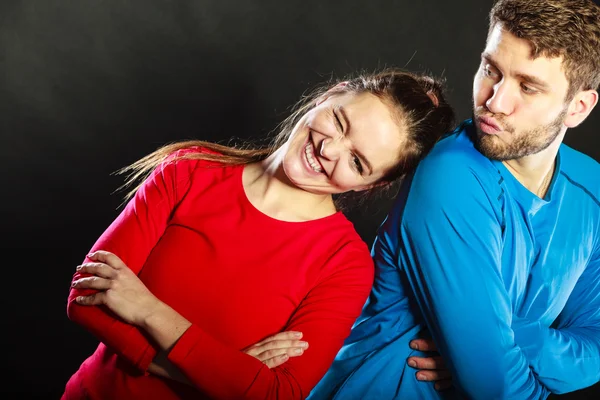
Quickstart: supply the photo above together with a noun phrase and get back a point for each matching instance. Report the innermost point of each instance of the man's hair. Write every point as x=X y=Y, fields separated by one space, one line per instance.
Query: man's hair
x=567 y=28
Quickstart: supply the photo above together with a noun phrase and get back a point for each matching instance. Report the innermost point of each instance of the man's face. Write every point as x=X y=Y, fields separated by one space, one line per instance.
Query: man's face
x=519 y=102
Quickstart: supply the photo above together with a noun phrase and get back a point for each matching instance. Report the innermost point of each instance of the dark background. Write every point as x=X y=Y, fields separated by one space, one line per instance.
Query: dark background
x=87 y=87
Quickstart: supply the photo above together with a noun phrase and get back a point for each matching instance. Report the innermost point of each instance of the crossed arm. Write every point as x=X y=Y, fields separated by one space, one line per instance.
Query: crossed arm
x=210 y=365
x=117 y=287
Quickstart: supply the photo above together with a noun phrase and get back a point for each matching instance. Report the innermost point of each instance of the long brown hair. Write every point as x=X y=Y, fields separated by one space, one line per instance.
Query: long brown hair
x=418 y=101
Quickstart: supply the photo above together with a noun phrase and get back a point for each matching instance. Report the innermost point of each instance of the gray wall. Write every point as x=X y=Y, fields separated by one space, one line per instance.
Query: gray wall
x=87 y=87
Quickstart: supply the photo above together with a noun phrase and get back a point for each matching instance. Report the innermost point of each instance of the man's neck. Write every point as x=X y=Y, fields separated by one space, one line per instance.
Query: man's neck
x=535 y=171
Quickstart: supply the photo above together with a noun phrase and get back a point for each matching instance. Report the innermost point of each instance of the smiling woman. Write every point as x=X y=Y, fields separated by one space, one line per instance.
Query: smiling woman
x=206 y=282
x=348 y=142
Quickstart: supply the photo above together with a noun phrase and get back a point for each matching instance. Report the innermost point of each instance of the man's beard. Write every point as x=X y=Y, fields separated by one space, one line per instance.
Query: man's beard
x=523 y=143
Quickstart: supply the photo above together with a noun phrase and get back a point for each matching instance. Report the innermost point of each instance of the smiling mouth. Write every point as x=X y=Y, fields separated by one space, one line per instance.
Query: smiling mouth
x=309 y=151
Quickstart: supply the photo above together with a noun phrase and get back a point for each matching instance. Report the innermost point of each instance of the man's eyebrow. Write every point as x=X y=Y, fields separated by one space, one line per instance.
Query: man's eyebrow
x=533 y=80
x=488 y=57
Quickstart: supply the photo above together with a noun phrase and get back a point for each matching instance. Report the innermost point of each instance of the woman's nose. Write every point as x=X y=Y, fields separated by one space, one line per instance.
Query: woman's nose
x=330 y=148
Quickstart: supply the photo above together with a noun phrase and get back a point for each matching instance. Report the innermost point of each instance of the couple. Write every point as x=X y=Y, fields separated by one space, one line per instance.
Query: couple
x=232 y=274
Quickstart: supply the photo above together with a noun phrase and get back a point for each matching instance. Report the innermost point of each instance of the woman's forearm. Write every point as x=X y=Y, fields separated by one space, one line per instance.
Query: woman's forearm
x=162 y=367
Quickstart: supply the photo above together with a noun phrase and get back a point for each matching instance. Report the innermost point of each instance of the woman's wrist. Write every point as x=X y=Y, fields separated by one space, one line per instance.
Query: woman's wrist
x=164 y=325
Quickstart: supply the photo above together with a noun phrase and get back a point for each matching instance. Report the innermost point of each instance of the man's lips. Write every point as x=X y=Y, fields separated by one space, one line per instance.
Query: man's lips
x=491 y=122
x=489 y=126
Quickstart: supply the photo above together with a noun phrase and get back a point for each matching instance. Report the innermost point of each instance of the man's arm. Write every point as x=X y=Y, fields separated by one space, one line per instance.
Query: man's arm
x=451 y=245
x=566 y=357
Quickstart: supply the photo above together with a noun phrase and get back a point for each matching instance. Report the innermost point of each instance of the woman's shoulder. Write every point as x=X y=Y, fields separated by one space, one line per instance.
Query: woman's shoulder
x=194 y=169
x=194 y=159
x=343 y=237
x=350 y=261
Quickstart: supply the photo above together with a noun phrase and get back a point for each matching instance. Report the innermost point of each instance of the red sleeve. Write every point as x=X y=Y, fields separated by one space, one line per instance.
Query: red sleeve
x=325 y=317
x=131 y=237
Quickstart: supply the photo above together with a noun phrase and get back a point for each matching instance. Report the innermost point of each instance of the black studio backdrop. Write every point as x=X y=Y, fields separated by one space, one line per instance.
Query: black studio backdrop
x=88 y=87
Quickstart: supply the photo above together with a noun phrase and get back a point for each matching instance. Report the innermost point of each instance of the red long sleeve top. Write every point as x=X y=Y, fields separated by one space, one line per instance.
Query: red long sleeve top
x=238 y=275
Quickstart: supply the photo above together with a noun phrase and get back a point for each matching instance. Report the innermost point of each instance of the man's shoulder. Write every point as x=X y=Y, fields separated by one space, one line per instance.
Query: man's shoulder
x=581 y=170
x=453 y=171
x=455 y=154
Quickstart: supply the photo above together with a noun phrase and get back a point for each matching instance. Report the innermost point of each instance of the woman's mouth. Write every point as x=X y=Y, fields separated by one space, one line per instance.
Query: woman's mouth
x=311 y=158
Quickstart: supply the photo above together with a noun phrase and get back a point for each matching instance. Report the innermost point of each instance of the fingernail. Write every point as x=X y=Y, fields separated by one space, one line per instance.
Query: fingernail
x=78 y=268
x=412 y=363
x=79 y=299
x=298 y=334
x=303 y=344
x=421 y=377
x=298 y=351
x=74 y=283
x=284 y=357
x=414 y=346
x=92 y=254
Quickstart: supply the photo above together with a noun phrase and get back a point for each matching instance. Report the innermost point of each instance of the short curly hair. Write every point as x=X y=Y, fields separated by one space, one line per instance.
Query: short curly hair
x=555 y=28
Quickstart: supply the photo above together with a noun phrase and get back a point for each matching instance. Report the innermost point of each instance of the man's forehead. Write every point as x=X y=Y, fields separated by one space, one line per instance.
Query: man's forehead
x=504 y=49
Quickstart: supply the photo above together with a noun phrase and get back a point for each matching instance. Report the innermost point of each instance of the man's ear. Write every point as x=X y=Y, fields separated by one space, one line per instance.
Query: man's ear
x=338 y=88
x=580 y=107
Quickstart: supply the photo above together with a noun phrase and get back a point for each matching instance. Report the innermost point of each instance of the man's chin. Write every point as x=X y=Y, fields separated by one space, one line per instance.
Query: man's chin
x=488 y=146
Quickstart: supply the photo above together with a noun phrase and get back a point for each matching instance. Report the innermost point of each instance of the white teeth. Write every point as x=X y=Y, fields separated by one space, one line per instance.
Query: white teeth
x=309 y=151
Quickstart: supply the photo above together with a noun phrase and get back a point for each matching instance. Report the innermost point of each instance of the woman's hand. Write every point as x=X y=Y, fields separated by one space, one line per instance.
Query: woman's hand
x=431 y=369
x=119 y=288
x=277 y=349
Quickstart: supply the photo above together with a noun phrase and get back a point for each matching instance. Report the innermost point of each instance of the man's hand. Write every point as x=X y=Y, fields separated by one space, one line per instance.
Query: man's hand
x=430 y=369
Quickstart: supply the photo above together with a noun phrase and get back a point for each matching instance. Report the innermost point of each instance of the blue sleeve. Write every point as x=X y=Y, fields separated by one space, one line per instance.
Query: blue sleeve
x=566 y=356
x=451 y=246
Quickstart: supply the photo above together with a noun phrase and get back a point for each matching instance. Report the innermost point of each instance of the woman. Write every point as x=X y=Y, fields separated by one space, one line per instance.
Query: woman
x=220 y=248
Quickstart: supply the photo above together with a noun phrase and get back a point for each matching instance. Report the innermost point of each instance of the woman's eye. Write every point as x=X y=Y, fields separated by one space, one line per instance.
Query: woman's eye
x=357 y=164
x=338 y=123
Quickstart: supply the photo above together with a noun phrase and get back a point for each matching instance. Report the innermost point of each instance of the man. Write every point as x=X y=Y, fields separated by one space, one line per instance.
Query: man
x=493 y=245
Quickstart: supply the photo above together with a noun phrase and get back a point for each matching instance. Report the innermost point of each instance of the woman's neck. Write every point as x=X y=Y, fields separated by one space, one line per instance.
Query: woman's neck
x=270 y=191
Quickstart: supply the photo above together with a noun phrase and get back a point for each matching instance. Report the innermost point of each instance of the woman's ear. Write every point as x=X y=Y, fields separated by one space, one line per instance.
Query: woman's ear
x=338 y=88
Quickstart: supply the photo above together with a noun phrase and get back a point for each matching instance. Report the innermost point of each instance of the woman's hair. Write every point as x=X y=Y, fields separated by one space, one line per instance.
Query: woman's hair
x=417 y=102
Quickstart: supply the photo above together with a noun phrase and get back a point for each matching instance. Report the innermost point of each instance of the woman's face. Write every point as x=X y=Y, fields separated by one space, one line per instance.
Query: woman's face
x=346 y=142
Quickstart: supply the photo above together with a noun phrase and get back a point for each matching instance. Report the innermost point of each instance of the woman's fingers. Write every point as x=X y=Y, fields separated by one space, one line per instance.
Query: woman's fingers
x=289 y=351
x=92 y=282
x=287 y=335
x=99 y=269
x=91 y=300
x=277 y=349
x=276 y=361
x=274 y=358
x=108 y=258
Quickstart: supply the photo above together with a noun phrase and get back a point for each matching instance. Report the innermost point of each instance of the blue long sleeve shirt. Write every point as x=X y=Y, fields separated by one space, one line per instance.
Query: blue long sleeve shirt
x=506 y=283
